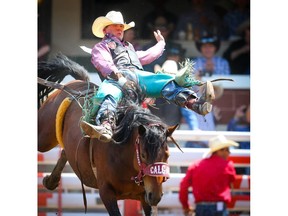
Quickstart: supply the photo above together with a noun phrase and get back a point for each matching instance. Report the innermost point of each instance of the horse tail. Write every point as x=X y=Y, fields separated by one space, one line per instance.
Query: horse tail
x=55 y=70
x=59 y=67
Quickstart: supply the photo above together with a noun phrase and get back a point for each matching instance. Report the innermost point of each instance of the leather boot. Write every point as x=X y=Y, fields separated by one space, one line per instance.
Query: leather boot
x=102 y=132
x=208 y=92
x=203 y=106
x=202 y=109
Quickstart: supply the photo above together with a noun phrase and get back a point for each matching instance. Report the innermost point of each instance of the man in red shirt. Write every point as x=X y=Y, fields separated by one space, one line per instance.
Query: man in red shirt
x=210 y=179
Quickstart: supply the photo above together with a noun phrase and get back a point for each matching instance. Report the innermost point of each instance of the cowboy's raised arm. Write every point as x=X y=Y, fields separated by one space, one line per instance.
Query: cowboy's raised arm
x=154 y=52
x=158 y=36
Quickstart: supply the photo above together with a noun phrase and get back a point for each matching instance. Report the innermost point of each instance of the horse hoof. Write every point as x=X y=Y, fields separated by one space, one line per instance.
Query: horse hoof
x=49 y=184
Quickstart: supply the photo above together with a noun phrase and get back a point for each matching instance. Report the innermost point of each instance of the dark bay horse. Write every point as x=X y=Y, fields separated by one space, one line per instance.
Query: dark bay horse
x=132 y=166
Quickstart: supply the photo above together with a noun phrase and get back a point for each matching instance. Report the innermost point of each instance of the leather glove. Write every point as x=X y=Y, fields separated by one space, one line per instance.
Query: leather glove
x=129 y=85
x=130 y=90
x=123 y=82
x=115 y=76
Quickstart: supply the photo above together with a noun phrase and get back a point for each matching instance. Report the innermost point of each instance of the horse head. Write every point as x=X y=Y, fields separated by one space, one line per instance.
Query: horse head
x=152 y=154
x=147 y=136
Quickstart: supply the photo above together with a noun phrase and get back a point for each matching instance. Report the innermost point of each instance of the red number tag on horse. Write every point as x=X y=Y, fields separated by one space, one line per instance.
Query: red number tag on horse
x=158 y=169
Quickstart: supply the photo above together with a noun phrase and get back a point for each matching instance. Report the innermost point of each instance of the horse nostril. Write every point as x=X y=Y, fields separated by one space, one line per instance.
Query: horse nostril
x=150 y=196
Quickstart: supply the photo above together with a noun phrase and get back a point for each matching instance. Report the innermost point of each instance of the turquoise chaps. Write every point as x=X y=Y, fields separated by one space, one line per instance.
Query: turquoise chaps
x=153 y=86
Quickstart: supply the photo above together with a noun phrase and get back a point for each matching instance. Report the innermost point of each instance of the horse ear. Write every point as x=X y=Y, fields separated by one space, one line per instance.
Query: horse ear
x=171 y=130
x=169 y=133
x=141 y=130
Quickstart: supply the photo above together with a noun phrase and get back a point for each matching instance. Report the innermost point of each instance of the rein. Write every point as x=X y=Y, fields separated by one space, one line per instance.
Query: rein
x=60 y=86
x=74 y=94
x=156 y=169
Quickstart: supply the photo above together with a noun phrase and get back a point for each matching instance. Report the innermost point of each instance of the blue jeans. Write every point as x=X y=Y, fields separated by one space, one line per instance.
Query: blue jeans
x=210 y=210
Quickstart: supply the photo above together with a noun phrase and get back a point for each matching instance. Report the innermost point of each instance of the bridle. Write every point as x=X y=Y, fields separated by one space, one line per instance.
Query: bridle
x=157 y=169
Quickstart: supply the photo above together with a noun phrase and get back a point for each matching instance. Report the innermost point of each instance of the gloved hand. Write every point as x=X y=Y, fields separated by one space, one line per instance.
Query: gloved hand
x=118 y=77
x=124 y=83
x=130 y=89
x=129 y=85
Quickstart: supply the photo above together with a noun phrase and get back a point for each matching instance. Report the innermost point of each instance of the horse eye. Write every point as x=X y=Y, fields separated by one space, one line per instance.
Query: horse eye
x=143 y=155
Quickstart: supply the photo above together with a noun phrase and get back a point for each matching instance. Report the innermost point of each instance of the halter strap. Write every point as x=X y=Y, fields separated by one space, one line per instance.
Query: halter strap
x=156 y=169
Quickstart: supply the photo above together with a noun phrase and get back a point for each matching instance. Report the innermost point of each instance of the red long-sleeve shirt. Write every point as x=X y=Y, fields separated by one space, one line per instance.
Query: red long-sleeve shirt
x=210 y=180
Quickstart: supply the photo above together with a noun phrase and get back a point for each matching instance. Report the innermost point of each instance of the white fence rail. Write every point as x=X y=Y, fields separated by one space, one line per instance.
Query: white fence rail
x=188 y=135
x=72 y=198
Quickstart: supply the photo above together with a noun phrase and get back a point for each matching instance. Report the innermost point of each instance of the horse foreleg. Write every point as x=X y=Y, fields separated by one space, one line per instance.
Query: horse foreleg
x=52 y=181
x=108 y=198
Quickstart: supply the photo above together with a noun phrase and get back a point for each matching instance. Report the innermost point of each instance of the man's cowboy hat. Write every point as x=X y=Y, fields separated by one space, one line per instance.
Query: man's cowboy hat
x=208 y=39
x=219 y=142
x=112 y=17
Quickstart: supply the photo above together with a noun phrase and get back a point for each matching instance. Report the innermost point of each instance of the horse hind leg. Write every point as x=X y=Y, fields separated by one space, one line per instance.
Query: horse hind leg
x=52 y=181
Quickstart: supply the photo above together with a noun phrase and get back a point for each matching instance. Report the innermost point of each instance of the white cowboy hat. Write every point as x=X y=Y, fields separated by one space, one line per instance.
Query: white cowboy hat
x=219 y=142
x=169 y=67
x=112 y=17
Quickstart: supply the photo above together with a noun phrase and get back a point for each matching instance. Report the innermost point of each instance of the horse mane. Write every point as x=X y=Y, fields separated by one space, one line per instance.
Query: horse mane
x=130 y=116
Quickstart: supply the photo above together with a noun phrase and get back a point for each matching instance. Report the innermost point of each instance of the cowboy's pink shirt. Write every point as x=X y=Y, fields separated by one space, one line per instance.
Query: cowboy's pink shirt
x=103 y=62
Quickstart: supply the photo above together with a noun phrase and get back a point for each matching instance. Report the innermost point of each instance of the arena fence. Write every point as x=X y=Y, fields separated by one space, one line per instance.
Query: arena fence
x=67 y=199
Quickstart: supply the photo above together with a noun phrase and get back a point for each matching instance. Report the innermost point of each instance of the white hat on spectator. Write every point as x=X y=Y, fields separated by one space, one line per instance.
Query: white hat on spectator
x=219 y=142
